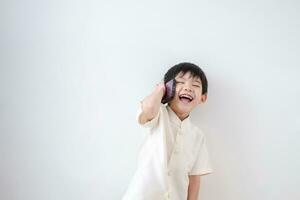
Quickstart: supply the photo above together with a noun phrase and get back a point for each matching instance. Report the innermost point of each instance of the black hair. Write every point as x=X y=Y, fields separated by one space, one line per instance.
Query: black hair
x=185 y=67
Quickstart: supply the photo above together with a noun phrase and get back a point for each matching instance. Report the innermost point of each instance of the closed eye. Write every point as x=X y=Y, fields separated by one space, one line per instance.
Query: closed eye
x=183 y=82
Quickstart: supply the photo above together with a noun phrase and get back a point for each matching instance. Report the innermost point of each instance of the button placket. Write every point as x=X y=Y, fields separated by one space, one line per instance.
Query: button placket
x=179 y=132
x=178 y=141
x=176 y=150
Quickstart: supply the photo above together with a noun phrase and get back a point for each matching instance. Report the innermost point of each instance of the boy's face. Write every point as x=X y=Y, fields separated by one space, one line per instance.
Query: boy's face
x=187 y=85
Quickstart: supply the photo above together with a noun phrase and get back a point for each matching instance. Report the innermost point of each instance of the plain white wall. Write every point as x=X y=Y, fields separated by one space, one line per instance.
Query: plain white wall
x=73 y=72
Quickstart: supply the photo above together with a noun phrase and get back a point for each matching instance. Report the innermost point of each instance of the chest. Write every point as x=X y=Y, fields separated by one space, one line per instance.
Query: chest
x=181 y=148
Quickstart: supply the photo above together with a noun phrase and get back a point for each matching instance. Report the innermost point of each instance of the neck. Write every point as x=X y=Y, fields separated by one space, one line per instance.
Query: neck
x=182 y=116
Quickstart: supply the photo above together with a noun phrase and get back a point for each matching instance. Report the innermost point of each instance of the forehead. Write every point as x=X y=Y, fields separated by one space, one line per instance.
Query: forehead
x=186 y=76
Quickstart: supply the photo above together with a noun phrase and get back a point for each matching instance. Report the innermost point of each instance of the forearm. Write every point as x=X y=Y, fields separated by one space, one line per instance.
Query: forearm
x=194 y=186
x=151 y=103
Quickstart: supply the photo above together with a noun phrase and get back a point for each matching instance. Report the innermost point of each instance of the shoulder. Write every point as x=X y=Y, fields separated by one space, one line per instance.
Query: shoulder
x=153 y=122
x=197 y=131
x=163 y=110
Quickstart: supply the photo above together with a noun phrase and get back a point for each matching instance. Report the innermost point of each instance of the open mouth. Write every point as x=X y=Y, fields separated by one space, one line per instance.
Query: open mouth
x=185 y=98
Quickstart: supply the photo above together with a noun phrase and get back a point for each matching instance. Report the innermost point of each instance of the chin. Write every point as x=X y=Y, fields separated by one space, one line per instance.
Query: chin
x=181 y=107
x=185 y=109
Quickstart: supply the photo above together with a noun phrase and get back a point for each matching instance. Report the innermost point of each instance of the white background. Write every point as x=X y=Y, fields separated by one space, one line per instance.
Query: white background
x=73 y=72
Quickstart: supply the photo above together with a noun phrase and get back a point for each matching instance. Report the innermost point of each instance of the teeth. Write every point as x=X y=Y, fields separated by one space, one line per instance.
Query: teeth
x=187 y=96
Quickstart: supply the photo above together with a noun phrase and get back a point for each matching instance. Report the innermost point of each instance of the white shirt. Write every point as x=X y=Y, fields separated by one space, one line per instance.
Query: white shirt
x=172 y=150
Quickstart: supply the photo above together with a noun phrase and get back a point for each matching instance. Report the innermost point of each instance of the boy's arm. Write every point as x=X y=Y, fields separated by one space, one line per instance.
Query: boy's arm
x=193 y=190
x=151 y=103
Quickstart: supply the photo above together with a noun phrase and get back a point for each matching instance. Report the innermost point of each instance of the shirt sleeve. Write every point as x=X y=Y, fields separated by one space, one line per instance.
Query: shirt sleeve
x=202 y=165
x=149 y=124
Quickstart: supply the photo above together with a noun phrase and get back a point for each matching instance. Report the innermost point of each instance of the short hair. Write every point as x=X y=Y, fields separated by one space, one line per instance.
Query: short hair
x=185 y=67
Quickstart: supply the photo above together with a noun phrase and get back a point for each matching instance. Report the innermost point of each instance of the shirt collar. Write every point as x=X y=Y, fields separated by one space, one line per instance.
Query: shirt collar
x=176 y=120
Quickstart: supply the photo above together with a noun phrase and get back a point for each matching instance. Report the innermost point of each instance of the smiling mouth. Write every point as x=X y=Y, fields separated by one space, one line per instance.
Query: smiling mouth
x=185 y=98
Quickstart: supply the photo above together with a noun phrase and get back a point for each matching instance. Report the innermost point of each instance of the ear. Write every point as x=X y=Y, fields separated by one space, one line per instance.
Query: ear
x=203 y=98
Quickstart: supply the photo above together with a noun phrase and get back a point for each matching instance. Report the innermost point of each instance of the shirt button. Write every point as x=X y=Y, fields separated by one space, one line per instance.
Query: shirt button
x=167 y=195
x=177 y=150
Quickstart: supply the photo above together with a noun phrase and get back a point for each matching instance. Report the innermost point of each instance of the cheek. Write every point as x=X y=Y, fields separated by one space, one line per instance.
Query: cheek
x=177 y=89
x=198 y=98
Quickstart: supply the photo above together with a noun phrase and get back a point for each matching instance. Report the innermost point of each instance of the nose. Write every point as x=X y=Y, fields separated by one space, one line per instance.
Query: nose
x=187 y=88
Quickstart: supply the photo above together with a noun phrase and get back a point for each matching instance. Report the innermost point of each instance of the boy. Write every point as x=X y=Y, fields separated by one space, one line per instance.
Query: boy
x=174 y=154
